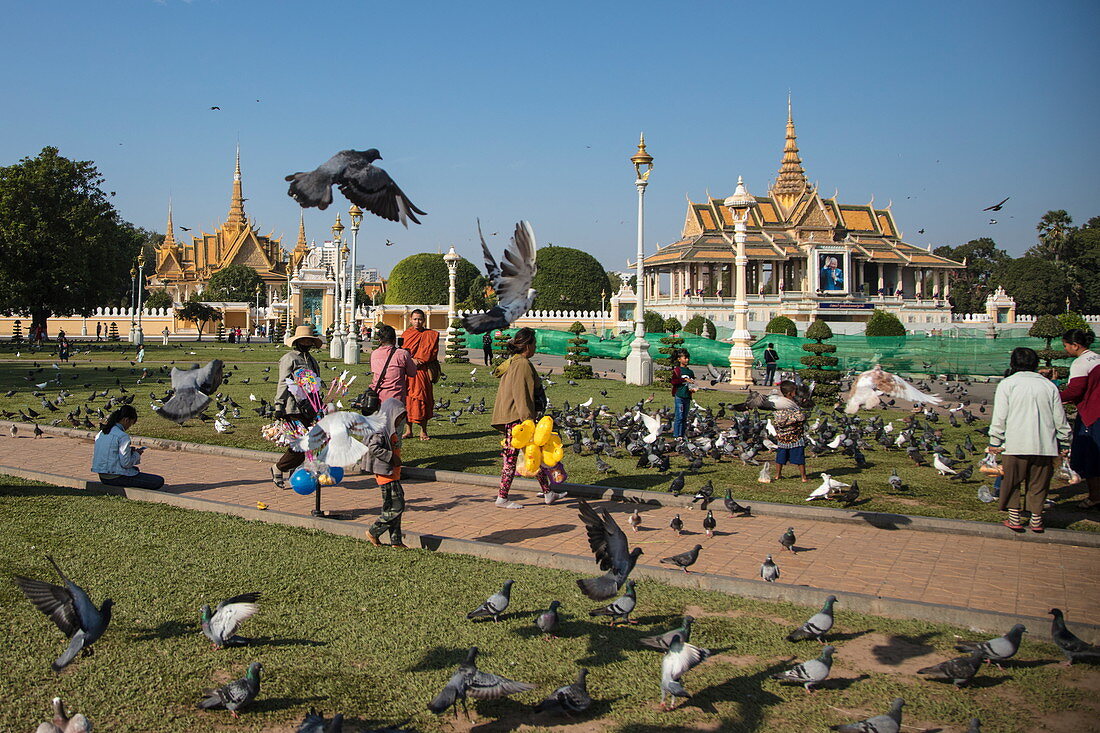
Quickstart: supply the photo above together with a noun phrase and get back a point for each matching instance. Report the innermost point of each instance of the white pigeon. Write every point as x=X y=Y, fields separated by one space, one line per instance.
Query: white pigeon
x=511 y=280
x=870 y=385
x=771 y=428
x=251 y=398
x=680 y=658
x=586 y=403
x=828 y=485
x=221 y=424
x=652 y=426
x=339 y=431
x=940 y=466
x=835 y=442
x=888 y=427
x=769 y=444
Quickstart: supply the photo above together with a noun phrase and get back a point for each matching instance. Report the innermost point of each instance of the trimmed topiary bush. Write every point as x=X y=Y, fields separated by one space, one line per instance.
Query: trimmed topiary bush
x=577 y=356
x=701 y=326
x=17 y=332
x=1073 y=320
x=663 y=373
x=112 y=332
x=500 y=341
x=883 y=323
x=671 y=325
x=1048 y=327
x=422 y=279
x=781 y=325
x=456 y=344
x=568 y=279
x=219 y=334
x=820 y=367
x=653 y=322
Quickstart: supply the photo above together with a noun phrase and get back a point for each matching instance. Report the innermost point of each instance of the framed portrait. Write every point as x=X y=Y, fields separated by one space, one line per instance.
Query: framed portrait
x=831 y=275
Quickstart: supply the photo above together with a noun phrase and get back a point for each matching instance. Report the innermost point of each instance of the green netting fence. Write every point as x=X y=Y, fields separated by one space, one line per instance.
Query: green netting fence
x=970 y=353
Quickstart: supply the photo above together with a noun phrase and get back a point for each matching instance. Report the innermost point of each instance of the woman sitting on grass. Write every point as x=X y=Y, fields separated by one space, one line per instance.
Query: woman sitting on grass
x=114 y=459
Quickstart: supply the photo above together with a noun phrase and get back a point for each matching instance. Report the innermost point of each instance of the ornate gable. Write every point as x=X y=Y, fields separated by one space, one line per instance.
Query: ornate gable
x=814 y=217
x=691 y=223
x=247 y=251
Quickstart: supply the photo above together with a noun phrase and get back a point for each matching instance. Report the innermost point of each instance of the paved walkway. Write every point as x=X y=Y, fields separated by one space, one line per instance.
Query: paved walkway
x=1000 y=575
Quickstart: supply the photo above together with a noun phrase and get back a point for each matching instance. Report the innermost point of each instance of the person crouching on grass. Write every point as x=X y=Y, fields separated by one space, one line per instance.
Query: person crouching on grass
x=383 y=459
x=789 y=421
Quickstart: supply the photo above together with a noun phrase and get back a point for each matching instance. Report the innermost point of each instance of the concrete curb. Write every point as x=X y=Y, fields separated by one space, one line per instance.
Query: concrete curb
x=882 y=520
x=989 y=622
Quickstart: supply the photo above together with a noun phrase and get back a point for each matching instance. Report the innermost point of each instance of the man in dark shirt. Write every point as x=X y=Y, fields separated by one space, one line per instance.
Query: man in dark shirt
x=771 y=361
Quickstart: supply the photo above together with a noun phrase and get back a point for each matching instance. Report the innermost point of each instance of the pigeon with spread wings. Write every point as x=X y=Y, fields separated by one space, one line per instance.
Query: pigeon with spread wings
x=363 y=183
x=869 y=386
x=193 y=388
x=511 y=280
x=612 y=552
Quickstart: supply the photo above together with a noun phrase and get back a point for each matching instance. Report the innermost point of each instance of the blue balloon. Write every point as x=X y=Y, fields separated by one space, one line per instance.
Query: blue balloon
x=337 y=474
x=303 y=482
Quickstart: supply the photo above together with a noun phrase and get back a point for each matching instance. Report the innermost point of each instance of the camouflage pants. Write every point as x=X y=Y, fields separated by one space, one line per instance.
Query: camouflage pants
x=393 y=506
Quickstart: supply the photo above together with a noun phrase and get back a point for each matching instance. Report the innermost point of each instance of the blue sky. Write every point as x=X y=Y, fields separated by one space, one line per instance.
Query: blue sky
x=531 y=110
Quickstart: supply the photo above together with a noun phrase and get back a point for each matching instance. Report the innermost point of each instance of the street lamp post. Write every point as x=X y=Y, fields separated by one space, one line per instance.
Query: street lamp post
x=289 y=328
x=336 y=346
x=740 y=204
x=139 y=337
x=603 y=311
x=133 y=299
x=451 y=259
x=259 y=289
x=639 y=364
x=351 y=346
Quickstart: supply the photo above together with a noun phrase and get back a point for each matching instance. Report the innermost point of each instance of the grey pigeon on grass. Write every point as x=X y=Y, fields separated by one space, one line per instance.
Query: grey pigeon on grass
x=548 y=620
x=888 y=723
x=362 y=182
x=1074 y=648
x=957 y=671
x=569 y=699
x=237 y=694
x=996 y=650
x=472 y=682
x=809 y=673
x=685 y=559
x=680 y=658
x=71 y=609
x=64 y=723
x=621 y=607
x=220 y=626
x=612 y=552
x=192 y=389
x=769 y=571
x=511 y=279
x=314 y=722
x=495 y=604
x=662 y=641
x=817 y=626
x=975 y=726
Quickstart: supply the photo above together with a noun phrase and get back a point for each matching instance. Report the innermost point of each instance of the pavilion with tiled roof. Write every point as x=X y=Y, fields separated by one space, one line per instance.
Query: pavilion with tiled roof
x=795 y=234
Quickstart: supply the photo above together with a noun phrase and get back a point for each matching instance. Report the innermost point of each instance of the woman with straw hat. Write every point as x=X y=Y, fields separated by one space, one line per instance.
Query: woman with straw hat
x=286 y=407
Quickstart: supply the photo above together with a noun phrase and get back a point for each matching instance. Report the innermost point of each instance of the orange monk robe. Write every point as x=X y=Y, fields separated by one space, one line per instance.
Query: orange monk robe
x=424 y=347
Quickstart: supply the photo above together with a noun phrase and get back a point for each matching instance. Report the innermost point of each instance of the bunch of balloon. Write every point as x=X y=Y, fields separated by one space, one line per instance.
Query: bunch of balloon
x=541 y=446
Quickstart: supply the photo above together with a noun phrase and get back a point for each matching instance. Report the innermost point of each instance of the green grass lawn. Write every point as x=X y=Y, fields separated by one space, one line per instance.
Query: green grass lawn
x=376 y=633
x=471 y=445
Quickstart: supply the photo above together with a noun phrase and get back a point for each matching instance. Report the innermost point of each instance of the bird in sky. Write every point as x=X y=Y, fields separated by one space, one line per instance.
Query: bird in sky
x=215 y=108
x=997 y=206
x=361 y=182
x=511 y=280
x=186 y=229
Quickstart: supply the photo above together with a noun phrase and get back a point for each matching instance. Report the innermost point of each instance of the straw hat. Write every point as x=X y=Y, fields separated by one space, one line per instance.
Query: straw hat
x=304 y=332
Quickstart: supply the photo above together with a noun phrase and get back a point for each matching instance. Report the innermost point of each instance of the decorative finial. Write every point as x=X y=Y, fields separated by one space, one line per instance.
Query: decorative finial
x=642 y=159
x=170 y=233
x=237 y=173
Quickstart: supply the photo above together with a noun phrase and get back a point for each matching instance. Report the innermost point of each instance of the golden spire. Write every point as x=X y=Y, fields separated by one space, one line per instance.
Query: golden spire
x=170 y=230
x=236 y=206
x=791 y=182
x=301 y=246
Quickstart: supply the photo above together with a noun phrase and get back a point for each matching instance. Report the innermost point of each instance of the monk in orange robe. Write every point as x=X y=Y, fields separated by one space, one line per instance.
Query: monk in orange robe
x=423 y=344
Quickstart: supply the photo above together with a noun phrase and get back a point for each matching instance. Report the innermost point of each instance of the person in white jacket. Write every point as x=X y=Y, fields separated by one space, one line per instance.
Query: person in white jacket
x=1029 y=429
x=115 y=459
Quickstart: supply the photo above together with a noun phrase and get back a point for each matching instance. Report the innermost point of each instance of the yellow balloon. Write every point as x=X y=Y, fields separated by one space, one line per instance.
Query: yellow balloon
x=552 y=442
x=533 y=459
x=521 y=434
x=552 y=455
x=543 y=430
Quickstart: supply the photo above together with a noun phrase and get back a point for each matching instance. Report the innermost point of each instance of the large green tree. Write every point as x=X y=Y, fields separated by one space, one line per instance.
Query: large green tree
x=198 y=313
x=422 y=279
x=63 y=247
x=568 y=279
x=970 y=287
x=1055 y=233
x=1038 y=284
x=236 y=283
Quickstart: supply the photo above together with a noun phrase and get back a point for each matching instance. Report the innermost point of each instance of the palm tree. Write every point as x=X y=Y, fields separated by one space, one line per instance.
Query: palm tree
x=1054 y=230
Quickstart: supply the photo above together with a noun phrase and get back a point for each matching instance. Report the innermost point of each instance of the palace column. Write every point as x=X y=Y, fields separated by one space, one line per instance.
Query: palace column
x=918 y=282
x=946 y=284
x=881 y=278
x=740 y=204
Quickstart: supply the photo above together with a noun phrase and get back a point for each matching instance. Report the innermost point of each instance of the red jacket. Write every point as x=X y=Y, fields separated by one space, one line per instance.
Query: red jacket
x=1083 y=388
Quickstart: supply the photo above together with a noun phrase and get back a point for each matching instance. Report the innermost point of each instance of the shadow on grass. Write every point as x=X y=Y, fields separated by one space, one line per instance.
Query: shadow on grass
x=168 y=630
x=275 y=704
x=53 y=491
x=736 y=689
x=440 y=657
x=269 y=641
x=899 y=648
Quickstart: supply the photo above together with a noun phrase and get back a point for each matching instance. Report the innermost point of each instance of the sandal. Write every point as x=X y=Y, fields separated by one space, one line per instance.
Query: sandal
x=1013 y=526
x=277 y=478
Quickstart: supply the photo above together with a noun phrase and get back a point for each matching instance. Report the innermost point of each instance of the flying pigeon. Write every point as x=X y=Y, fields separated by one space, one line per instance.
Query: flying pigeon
x=997 y=206
x=337 y=433
x=652 y=430
x=999 y=649
x=888 y=723
x=220 y=626
x=685 y=559
x=621 y=607
x=870 y=385
x=1073 y=647
x=471 y=681
x=957 y=671
x=817 y=626
x=568 y=699
x=769 y=571
x=314 y=722
x=495 y=604
x=612 y=552
x=71 y=609
x=192 y=390
x=548 y=620
x=235 y=695
x=363 y=183
x=511 y=280
x=680 y=658
x=809 y=673
x=661 y=642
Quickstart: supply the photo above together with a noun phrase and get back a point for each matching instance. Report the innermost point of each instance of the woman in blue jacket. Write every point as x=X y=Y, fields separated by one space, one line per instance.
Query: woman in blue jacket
x=115 y=459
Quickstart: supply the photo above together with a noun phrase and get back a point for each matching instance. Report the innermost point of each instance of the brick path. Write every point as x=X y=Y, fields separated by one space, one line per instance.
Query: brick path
x=981 y=573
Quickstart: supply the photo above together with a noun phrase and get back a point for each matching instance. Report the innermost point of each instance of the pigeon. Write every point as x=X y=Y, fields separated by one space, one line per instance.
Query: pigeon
x=818 y=624
x=810 y=673
x=769 y=571
x=220 y=627
x=828 y=486
x=548 y=620
x=612 y=552
x=662 y=641
x=235 y=695
x=895 y=481
x=788 y=539
x=709 y=524
x=652 y=430
x=469 y=680
x=685 y=559
x=71 y=609
x=849 y=497
x=733 y=507
x=975 y=726
x=674 y=488
x=568 y=699
x=705 y=494
x=999 y=649
x=635 y=520
x=495 y=604
x=621 y=607
x=870 y=386
x=958 y=671
x=997 y=206
x=676 y=524
x=192 y=390
x=680 y=658
x=337 y=432
x=511 y=280
x=938 y=463
x=1071 y=646
x=888 y=723
x=63 y=723
x=985 y=495
x=361 y=182
x=314 y=722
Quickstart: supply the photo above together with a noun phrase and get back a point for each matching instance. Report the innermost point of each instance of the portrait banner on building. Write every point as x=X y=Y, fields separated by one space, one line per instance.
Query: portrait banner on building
x=831 y=275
